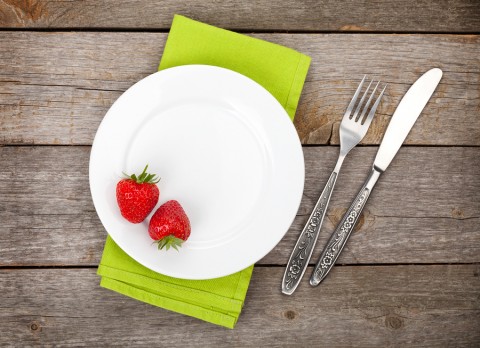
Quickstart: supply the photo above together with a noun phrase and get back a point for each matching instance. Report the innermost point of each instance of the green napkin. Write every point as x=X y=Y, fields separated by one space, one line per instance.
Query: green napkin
x=282 y=72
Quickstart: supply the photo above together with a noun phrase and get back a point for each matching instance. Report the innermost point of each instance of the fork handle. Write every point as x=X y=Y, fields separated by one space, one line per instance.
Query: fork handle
x=342 y=232
x=298 y=262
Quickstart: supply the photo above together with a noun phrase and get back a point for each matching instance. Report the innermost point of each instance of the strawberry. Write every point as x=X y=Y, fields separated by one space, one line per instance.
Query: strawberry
x=169 y=226
x=137 y=196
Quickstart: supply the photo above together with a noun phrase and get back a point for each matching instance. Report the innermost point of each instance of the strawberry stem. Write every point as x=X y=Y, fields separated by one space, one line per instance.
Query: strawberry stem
x=169 y=241
x=144 y=177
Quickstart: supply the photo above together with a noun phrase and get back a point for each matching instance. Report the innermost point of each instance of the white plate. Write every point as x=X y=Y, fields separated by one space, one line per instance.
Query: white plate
x=224 y=148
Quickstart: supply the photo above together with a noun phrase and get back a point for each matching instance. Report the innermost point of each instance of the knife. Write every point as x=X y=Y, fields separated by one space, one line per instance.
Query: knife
x=402 y=121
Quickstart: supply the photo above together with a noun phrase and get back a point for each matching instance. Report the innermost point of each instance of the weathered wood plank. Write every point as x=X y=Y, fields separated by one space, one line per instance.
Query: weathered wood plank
x=56 y=87
x=393 y=306
x=425 y=208
x=305 y=15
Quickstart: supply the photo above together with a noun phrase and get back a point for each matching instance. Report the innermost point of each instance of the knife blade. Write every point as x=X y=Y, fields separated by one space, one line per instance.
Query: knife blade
x=405 y=116
x=403 y=119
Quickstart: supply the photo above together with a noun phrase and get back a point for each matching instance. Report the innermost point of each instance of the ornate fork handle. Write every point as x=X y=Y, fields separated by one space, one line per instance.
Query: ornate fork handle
x=298 y=262
x=341 y=234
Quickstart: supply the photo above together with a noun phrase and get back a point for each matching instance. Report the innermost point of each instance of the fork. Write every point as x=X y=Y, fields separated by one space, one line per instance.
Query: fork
x=353 y=128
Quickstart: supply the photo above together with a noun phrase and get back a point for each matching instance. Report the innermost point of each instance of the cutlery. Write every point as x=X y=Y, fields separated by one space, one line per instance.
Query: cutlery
x=402 y=121
x=353 y=128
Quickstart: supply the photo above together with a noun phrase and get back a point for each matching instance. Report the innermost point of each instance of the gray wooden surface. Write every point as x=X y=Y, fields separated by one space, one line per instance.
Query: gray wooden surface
x=357 y=306
x=258 y=15
x=68 y=80
x=410 y=273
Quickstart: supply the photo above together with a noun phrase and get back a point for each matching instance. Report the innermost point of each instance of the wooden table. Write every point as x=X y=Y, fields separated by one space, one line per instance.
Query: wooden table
x=409 y=275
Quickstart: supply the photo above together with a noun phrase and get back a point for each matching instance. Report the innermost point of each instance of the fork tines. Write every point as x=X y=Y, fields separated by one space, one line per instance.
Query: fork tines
x=360 y=116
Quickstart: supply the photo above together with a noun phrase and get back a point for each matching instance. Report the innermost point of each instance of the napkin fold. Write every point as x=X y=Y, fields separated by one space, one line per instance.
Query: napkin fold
x=282 y=72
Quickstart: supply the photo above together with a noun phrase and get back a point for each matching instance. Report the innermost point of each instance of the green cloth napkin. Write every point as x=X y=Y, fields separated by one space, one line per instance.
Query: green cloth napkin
x=282 y=72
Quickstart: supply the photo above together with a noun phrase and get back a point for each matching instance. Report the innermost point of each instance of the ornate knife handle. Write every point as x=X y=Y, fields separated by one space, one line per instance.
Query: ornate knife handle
x=342 y=232
x=298 y=262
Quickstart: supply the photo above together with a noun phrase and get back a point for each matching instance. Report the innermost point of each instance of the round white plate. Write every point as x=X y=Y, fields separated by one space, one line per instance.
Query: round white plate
x=224 y=148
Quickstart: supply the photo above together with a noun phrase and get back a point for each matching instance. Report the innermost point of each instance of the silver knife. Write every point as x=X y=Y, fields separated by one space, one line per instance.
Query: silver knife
x=402 y=121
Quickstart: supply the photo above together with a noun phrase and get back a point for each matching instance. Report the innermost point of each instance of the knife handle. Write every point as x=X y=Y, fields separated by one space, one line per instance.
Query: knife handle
x=342 y=232
x=302 y=252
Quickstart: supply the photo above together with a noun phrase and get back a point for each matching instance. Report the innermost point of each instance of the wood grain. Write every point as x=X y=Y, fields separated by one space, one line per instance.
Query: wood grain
x=424 y=209
x=383 y=306
x=305 y=15
x=56 y=87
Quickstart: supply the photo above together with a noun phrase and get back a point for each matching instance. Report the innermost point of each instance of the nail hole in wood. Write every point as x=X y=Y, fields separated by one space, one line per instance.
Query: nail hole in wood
x=290 y=315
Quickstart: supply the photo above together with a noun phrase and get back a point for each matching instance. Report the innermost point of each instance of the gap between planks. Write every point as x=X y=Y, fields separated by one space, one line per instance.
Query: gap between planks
x=242 y=31
x=93 y=266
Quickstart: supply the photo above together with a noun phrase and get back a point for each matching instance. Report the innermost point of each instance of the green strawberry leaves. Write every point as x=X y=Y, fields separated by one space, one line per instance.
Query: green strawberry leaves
x=144 y=177
x=169 y=241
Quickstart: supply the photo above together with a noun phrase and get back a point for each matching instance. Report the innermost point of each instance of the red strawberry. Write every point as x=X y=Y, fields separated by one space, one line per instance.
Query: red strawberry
x=169 y=226
x=137 y=196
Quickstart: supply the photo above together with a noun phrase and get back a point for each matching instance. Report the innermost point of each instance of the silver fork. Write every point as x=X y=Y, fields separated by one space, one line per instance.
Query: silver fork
x=353 y=128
